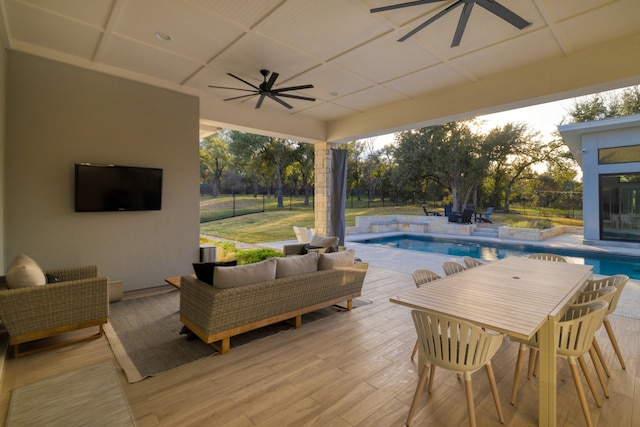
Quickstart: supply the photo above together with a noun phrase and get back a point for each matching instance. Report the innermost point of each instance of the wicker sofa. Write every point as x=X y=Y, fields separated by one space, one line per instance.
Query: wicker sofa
x=78 y=300
x=215 y=314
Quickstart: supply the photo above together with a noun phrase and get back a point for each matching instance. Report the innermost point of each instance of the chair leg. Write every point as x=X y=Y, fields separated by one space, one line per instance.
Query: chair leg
x=580 y=390
x=516 y=377
x=415 y=350
x=596 y=347
x=416 y=396
x=592 y=386
x=532 y=361
x=470 y=403
x=614 y=341
x=431 y=377
x=596 y=366
x=494 y=391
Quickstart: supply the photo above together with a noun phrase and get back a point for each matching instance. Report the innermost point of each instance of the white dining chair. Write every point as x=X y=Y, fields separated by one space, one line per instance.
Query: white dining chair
x=575 y=333
x=618 y=281
x=420 y=277
x=452 y=267
x=458 y=346
x=471 y=262
x=548 y=257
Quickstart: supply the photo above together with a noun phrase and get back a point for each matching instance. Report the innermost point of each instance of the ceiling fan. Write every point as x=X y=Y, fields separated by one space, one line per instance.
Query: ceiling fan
x=265 y=89
x=490 y=5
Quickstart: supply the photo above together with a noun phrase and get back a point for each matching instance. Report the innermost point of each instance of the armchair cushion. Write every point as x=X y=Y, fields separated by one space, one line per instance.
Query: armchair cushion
x=23 y=272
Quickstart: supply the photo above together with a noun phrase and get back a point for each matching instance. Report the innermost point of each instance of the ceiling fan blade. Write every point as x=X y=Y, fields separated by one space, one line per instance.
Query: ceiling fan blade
x=287 y=89
x=280 y=101
x=232 y=88
x=305 y=98
x=430 y=20
x=462 y=24
x=402 y=5
x=259 y=103
x=504 y=13
x=244 y=81
x=272 y=80
x=239 y=97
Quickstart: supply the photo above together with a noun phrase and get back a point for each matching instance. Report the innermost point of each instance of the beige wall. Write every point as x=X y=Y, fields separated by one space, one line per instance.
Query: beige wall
x=58 y=115
x=3 y=61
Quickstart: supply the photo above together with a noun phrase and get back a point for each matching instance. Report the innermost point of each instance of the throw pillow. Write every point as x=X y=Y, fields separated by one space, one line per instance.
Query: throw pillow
x=336 y=259
x=292 y=266
x=231 y=277
x=204 y=270
x=324 y=242
x=23 y=272
x=52 y=278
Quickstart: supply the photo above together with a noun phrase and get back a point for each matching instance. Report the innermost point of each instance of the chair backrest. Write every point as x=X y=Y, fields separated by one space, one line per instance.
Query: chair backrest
x=576 y=330
x=447 y=210
x=602 y=294
x=420 y=277
x=453 y=343
x=471 y=262
x=548 y=257
x=466 y=216
x=302 y=234
x=451 y=267
x=617 y=280
x=488 y=213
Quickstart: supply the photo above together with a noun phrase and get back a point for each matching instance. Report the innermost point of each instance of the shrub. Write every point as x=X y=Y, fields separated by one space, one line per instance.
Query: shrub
x=228 y=251
x=539 y=224
x=249 y=256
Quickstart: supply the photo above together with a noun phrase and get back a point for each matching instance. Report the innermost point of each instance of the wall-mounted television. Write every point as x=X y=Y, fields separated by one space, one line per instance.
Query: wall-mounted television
x=100 y=188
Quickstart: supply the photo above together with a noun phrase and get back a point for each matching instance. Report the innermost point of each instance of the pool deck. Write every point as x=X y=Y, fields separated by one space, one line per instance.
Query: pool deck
x=407 y=261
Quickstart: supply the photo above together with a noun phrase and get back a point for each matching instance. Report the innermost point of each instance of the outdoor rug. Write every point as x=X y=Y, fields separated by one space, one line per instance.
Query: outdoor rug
x=90 y=396
x=144 y=334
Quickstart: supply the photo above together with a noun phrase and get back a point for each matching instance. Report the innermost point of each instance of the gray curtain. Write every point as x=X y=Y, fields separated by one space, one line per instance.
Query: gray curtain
x=338 y=193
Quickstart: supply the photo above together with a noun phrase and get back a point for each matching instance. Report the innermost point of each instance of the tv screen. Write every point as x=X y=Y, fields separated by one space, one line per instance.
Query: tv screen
x=100 y=188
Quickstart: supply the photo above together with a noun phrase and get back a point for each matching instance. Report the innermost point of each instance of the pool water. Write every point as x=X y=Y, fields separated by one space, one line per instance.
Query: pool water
x=603 y=263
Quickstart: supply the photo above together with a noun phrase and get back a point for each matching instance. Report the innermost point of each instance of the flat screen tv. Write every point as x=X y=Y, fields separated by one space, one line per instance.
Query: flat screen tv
x=101 y=188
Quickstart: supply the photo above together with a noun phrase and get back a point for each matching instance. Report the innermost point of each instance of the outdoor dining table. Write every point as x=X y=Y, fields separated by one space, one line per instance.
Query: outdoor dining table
x=517 y=296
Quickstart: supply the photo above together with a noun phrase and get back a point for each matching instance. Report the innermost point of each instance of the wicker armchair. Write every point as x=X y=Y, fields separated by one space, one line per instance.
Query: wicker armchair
x=79 y=300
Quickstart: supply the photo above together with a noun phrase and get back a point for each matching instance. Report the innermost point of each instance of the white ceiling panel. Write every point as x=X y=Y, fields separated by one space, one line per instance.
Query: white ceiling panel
x=244 y=12
x=429 y=80
x=94 y=12
x=127 y=54
x=370 y=98
x=38 y=27
x=329 y=82
x=195 y=35
x=564 y=9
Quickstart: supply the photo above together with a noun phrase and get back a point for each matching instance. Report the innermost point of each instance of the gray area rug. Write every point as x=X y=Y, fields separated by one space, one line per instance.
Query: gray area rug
x=144 y=334
x=90 y=396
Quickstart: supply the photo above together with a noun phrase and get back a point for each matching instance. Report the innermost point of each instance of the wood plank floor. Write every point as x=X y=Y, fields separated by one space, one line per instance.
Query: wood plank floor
x=350 y=369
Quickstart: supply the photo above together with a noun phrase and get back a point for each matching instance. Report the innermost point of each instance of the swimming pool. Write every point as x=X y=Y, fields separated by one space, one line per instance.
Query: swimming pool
x=603 y=263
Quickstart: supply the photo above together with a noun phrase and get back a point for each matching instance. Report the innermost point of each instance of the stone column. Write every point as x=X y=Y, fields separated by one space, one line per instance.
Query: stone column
x=322 y=195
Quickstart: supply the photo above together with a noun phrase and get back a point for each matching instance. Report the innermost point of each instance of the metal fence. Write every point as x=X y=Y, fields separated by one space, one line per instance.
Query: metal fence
x=229 y=205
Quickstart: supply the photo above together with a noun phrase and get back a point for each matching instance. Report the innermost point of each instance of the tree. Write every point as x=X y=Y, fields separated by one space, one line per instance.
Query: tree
x=214 y=160
x=245 y=149
x=597 y=107
x=303 y=166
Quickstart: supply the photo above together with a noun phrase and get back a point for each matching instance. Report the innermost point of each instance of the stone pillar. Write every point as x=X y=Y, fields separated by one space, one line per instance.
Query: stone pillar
x=322 y=195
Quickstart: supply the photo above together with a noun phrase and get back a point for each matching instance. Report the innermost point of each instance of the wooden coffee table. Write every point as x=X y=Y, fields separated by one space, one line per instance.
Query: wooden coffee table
x=173 y=281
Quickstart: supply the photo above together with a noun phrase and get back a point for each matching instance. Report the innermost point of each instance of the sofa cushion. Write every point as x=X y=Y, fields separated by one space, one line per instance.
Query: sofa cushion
x=336 y=259
x=324 y=242
x=231 y=277
x=24 y=272
x=292 y=266
x=204 y=270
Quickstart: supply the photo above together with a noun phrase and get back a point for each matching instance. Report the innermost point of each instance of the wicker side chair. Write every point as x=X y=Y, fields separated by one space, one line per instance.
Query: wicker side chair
x=78 y=300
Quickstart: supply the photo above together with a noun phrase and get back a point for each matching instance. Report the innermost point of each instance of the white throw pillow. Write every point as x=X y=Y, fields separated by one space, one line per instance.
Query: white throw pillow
x=231 y=277
x=294 y=265
x=23 y=272
x=336 y=259
x=324 y=242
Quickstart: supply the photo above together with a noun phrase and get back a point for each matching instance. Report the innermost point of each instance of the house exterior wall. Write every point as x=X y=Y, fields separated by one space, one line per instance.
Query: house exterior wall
x=591 y=143
x=59 y=115
x=3 y=64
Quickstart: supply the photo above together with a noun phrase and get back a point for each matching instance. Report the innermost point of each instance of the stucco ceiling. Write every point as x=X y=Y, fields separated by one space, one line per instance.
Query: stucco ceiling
x=366 y=82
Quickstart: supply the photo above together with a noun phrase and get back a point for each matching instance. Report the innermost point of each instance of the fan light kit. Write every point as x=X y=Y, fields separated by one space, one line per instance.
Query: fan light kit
x=265 y=89
x=490 y=5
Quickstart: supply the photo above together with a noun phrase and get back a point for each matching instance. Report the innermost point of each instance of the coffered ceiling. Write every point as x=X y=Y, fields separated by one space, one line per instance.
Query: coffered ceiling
x=365 y=81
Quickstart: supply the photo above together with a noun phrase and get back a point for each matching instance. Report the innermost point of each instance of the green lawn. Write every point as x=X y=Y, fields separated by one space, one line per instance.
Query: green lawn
x=275 y=225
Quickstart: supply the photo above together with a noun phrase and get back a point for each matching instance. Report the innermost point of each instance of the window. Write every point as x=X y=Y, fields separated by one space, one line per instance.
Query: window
x=626 y=154
x=620 y=207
